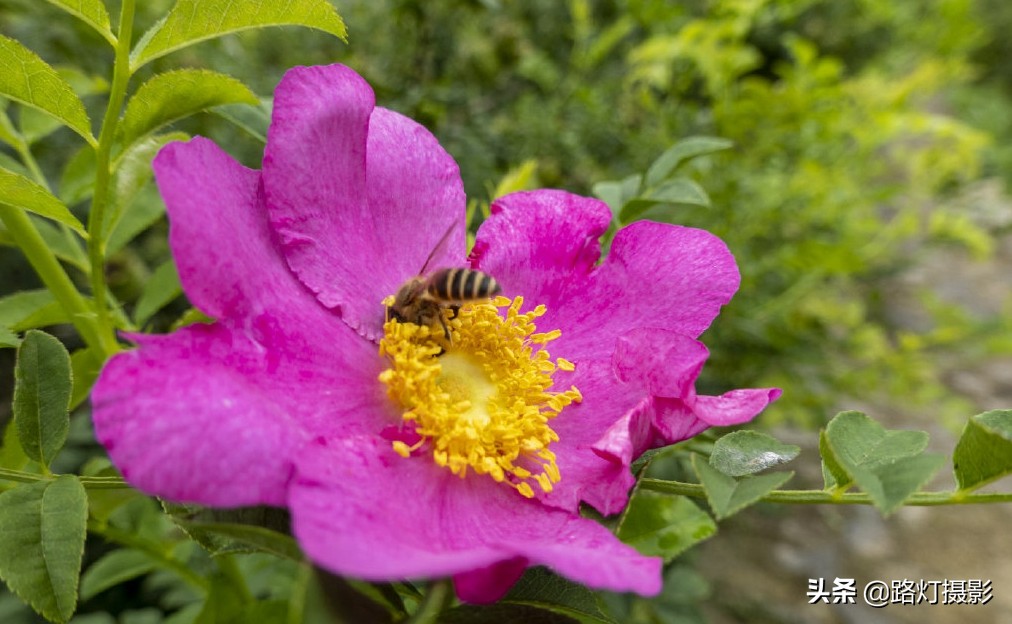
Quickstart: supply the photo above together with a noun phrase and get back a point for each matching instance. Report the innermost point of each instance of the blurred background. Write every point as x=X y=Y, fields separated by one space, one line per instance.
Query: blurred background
x=865 y=198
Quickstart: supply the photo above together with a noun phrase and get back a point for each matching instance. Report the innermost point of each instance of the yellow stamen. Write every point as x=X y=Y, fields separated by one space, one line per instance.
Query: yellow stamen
x=480 y=401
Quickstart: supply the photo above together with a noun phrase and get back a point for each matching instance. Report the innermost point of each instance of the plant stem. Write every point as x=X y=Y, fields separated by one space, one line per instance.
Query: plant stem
x=55 y=278
x=91 y=483
x=436 y=597
x=103 y=171
x=822 y=497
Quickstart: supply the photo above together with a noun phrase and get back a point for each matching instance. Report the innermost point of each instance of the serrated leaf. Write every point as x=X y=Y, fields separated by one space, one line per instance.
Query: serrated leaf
x=44 y=528
x=727 y=495
x=133 y=172
x=91 y=12
x=117 y=567
x=192 y=21
x=682 y=151
x=540 y=588
x=250 y=538
x=161 y=288
x=663 y=525
x=18 y=191
x=984 y=451
x=889 y=465
x=245 y=529
x=741 y=453
x=171 y=96
x=42 y=396
x=30 y=80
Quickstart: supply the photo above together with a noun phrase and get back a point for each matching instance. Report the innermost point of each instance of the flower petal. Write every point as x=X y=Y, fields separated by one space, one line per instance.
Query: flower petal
x=642 y=398
x=211 y=199
x=488 y=584
x=359 y=509
x=541 y=244
x=231 y=401
x=656 y=274
x=359 y=196
x=172 y=410
x=613 y=415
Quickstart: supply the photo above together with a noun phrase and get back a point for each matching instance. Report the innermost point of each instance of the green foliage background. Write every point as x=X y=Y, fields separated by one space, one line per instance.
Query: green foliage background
x=858 y=127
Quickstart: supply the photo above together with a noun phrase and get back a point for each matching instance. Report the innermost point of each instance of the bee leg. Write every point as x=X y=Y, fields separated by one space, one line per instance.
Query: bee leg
x=454 y=311
x=446 y=328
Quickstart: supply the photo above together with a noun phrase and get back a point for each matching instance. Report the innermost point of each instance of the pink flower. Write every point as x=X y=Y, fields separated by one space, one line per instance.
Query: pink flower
x=279 y=401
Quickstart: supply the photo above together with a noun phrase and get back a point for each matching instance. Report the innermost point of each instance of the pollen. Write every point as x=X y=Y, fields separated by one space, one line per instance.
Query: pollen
x=480 y=402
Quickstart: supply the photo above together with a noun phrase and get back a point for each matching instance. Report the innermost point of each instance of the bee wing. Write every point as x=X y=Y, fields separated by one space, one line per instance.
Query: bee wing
x=440 y=246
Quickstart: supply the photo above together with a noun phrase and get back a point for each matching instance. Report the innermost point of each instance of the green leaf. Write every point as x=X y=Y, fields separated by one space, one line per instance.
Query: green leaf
x=8 y=338
x=161 y=288
x=114 y=568
x=616 y=193
x=682 y=151
x=77 y=182
x=542 y=589
x=91 y=12
x=36 y=125
x=888 y=465
x=192 y=21
x=133 y=172
x=42 y=396
x=22 y=310
x=12 y=456
x=28 y=79
x=727 y=495
x=246 y=538
x=834 y=475
x=984 y=451
x=142 y=214
x=19 y=192
x=663 y=525
x=85 y=367
x=679 y=191
x=253 y=120
x=245 y=529
x=171 y=96
x=742 y=453
x=44 y=528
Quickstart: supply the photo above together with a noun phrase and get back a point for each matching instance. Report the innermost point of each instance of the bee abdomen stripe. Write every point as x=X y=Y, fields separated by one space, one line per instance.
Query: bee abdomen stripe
x=470 y=285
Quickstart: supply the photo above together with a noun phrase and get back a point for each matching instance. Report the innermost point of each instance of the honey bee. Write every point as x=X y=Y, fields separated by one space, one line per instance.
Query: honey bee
x=422 y=299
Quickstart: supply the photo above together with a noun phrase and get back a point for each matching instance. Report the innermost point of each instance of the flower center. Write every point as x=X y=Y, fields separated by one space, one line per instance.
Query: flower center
x=481 y=401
